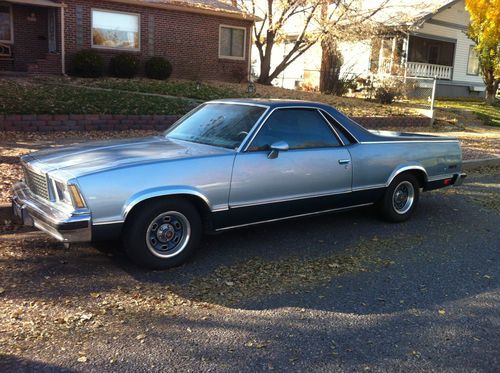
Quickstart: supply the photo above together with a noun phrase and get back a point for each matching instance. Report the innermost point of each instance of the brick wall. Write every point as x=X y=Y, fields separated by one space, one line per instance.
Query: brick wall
x=190 y=41
x=81 y=122
x=84 y=122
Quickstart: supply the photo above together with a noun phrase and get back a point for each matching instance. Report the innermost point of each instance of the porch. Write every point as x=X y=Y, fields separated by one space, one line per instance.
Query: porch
x=416 y=56
x=30 y=37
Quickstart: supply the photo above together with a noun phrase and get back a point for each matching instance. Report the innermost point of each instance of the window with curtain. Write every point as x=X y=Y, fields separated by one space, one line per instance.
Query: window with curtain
x=232 y=42
x=115 y=30
x=473 y=62
x=5 y=24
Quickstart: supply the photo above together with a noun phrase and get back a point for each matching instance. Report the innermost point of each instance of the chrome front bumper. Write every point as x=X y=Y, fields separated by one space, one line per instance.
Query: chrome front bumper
x=63 y=225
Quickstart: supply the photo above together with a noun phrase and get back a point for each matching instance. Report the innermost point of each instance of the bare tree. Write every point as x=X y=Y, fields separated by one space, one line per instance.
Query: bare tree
x=315 y=21
x=303 y=23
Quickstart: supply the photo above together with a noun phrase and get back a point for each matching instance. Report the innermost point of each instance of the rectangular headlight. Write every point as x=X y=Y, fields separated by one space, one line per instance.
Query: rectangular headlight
x=63 y=192
x=69 y=194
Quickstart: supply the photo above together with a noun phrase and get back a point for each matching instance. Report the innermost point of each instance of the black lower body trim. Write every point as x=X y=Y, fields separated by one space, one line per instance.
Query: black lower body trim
x=280 y=210
x=106 y=232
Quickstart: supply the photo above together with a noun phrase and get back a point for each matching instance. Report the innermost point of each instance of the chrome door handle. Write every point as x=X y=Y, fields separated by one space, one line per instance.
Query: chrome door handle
x=344 y=161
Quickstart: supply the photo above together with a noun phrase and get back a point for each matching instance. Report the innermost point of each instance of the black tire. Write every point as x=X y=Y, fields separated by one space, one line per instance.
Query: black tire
x=149 y=252
x=395 y=208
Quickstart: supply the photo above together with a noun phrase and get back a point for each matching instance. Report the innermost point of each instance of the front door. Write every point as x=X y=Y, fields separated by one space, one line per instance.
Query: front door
x=314 y=174
x=52 y=30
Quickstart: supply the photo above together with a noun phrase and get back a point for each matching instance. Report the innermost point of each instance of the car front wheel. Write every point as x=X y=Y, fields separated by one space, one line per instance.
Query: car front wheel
x=162 y=233
x=400 y=198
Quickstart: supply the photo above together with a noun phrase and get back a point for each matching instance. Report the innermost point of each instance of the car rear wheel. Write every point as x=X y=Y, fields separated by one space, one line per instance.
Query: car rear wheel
x=163 y=233
x=400 y=198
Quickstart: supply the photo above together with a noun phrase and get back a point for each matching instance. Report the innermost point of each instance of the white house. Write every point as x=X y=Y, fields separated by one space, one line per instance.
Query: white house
x=434 y=44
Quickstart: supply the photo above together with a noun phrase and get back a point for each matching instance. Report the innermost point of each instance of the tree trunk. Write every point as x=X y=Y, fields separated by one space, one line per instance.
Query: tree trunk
x=491 y=90
x=331 y=62
x=265 y=68
x=265 y=60
x=325 y=72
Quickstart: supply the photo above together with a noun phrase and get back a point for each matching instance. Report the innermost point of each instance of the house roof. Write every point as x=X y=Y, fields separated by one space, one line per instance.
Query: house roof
x=428 y=16
x=411 y=12
x=213 y=7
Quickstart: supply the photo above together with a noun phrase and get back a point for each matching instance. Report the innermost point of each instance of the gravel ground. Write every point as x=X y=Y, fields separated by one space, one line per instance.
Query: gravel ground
x=343 y=292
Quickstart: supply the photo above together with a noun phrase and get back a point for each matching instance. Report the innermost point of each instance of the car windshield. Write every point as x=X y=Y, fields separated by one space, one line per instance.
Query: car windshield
x=223 y=125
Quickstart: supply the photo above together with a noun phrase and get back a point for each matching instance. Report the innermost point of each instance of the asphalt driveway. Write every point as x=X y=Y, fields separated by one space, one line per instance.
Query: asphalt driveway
x=345 y=292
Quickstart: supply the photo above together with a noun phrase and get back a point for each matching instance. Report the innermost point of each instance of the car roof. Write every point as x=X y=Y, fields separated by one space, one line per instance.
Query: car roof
x=270 y=102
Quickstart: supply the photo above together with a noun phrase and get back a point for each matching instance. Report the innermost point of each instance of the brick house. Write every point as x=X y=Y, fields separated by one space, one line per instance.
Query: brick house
x=203 y=39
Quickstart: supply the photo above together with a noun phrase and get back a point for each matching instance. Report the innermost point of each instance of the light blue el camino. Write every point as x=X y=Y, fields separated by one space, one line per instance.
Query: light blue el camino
x=227 y=164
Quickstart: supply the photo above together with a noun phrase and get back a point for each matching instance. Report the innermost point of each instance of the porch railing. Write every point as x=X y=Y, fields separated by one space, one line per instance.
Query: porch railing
x=427 y=70
x=5 y=50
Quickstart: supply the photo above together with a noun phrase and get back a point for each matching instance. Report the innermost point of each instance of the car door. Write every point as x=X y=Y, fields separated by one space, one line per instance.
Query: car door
x=314 y=174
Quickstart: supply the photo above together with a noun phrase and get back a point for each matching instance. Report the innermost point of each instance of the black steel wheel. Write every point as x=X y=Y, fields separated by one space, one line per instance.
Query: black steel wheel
x=162 y=233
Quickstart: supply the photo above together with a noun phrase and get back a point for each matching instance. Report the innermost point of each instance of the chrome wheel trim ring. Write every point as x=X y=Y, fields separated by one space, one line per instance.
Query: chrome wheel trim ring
x=403 y=197
x=168 y=234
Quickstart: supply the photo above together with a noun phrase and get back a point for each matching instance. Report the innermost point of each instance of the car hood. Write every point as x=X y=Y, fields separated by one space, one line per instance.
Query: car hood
x=91 y=157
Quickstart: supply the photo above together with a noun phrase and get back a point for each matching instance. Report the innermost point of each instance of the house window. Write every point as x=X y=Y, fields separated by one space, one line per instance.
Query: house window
x=232 y=42
x=5 y=23
x=115 y=30
x=473 y=62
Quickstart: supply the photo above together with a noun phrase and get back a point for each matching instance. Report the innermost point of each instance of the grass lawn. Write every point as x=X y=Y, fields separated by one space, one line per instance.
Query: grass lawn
x=213 y=90
x=489 y=114
x=25 y=96
x=76 y=96
x=178 y=88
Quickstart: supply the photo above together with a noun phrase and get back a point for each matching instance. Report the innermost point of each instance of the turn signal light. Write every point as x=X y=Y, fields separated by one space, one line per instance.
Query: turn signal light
x=77 y=198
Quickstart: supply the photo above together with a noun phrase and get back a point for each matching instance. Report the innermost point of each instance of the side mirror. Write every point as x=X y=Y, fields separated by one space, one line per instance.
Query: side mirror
x=276 y=148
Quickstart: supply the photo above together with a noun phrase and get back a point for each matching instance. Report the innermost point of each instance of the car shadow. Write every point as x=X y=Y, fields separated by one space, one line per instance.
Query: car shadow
x=11 y=363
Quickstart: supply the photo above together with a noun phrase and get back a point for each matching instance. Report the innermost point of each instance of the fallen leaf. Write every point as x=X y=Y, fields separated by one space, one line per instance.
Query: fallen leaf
x=82 y=359
x=442 y=312
x=86 y=316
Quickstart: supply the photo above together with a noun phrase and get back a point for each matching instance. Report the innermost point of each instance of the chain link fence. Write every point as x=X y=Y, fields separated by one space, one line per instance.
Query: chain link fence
x=420 y=95
x=416 y=94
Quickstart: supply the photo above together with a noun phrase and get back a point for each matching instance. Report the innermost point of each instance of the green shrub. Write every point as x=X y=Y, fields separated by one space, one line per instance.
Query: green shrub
x=124 y=65
x=158 y=68
x=87 y=64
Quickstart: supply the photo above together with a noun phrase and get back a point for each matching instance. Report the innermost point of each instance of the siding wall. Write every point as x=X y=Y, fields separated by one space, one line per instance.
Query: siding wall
x=456 y=15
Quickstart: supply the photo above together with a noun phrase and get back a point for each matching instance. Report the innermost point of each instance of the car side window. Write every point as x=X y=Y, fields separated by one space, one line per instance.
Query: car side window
x=300 y=128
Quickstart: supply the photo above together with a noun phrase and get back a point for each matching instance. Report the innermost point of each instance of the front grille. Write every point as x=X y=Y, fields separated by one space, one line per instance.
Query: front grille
x=36 y=182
